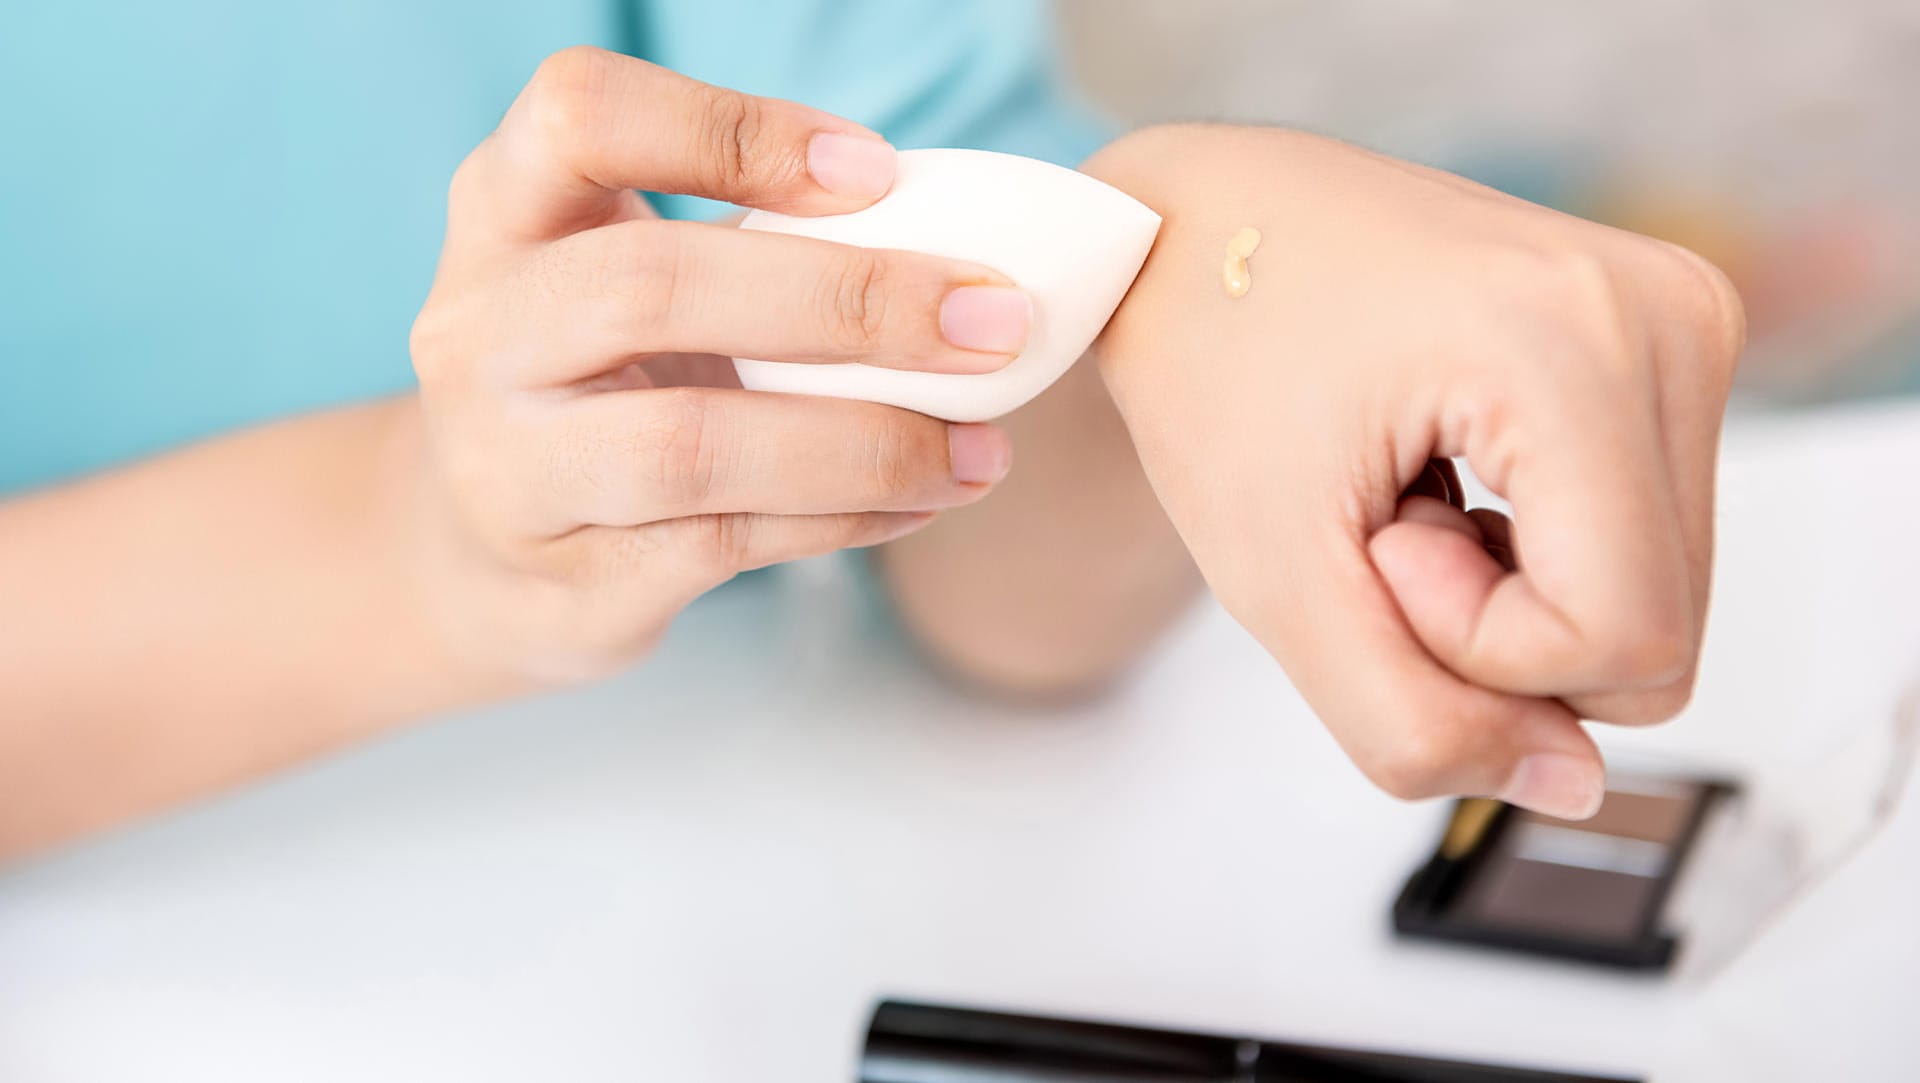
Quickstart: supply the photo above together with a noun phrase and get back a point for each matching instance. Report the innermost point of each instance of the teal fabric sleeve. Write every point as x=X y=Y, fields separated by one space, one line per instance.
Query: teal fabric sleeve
x=218 y=212
x=924 y=73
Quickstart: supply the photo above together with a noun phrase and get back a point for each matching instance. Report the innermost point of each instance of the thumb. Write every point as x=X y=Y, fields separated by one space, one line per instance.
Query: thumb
x=1527 y=751
x=1434 y=560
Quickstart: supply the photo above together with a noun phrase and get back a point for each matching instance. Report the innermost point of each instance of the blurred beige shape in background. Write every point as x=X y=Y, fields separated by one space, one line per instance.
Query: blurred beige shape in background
x=1777 y=138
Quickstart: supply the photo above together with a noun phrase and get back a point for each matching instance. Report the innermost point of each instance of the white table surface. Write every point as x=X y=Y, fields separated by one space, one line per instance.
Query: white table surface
x=707 y=869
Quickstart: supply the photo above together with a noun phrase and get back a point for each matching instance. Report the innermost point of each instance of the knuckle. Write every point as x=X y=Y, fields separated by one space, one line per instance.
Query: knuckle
x=434 y=344
x=828 y=534
x=1646 y=708
x=849 y=530
x=656 y=270
x=731 y=131
x=1577 y=271
x=460 y=187
x=578 y=459
x=1664 y=703
x=1581 y=281
x=595 y=658
x=561 y=96
x=472 y=496
x=1710 y=301
x=679 y=440
x=894 y=462
x=619 y=558
x=426 y=342
x=1415 y=764
x=729 y=542
x=594 y=638
x=575 y=64
x=1658 y=652
x=638 y=278
x=552 y=272
x=854 y=306
x=1572 y=285
x=1530 y=273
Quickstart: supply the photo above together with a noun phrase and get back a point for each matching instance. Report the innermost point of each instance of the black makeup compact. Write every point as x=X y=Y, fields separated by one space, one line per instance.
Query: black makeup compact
x=925 y=1043
x=1680 y=869
x=1595 y=890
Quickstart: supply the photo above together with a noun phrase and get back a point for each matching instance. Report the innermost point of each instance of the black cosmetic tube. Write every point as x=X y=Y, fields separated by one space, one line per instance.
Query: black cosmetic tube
x=923 y=1043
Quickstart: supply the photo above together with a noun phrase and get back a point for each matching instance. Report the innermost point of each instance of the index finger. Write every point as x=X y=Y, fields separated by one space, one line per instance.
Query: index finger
x=1699 y=336
x=593 y=125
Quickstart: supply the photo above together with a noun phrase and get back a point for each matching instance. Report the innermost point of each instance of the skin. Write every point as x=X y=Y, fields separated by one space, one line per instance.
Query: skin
x=1399 y=314
x=577 y=465
x=574 y=470
x=1020 y=595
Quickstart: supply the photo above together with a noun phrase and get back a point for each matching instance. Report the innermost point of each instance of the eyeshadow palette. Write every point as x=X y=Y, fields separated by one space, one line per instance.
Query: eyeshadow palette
x=1595 y=890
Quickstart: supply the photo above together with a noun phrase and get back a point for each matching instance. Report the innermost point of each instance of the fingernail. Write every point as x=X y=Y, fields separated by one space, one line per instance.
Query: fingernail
x=1556 y=784
x=994 y=319
x=980 y=454
x=851 y=165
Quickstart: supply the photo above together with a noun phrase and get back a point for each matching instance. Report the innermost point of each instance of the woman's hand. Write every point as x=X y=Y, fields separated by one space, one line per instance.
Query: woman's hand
x=582 y=483
x=542 y=508
x=1398 y=314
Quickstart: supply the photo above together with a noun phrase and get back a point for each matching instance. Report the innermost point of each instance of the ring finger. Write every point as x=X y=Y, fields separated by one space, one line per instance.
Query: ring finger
x=631 y=457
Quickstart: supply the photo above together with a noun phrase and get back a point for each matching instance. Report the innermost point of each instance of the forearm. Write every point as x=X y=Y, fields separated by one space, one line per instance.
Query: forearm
x=1062 y=576
x=208 y=616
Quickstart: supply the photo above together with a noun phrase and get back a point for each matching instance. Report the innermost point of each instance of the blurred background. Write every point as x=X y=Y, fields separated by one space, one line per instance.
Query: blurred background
x=710 y=866
x=1775 y=137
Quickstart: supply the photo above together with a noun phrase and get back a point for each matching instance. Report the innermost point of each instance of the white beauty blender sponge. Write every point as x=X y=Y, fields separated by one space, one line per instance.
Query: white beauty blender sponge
x=1073 y=243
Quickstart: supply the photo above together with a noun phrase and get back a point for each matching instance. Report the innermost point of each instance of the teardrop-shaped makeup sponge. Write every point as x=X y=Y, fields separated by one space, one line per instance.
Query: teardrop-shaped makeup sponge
x=1073 y=243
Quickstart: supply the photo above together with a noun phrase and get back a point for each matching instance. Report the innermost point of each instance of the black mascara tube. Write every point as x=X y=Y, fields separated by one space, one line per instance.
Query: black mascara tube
x=923 y=1043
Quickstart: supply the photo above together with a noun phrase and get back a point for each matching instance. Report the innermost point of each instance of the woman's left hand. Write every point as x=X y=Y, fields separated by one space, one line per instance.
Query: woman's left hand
x=1398 y=314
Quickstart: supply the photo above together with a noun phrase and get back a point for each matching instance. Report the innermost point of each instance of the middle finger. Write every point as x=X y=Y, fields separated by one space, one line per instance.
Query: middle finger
x=642 y=287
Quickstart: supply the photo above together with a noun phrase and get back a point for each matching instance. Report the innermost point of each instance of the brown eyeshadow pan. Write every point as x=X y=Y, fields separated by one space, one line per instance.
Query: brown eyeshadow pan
x=1652 y=817
x=1546 y=896
x=1592 y=889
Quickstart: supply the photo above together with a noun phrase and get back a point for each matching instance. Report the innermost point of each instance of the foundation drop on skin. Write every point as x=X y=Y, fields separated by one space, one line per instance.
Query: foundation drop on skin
x=1235 y=274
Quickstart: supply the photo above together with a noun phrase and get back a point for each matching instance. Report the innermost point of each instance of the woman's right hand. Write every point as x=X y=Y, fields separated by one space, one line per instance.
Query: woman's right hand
x=578 y=490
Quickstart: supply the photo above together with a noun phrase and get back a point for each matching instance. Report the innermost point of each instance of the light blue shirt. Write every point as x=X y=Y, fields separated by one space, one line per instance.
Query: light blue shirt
x=217 y=212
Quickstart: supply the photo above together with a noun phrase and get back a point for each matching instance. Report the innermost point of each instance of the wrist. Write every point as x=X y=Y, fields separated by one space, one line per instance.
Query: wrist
x=1207 y=182
x=1135 y=163
x=442 y=584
